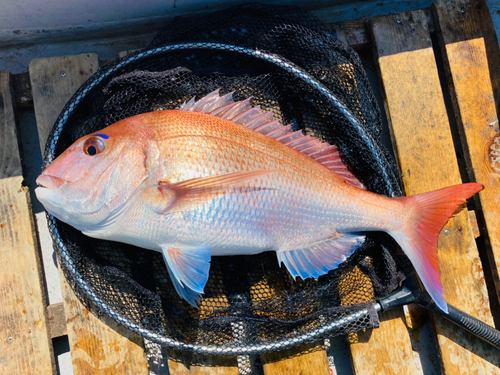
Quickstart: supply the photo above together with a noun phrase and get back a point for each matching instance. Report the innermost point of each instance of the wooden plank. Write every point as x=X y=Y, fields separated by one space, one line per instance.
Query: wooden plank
x=54 y=80
x=10 y=157
x=305 y=359
x=48 y=91
x=96 y=346
x=25 y=345
x=185 y=363
x=466 y=35
x=101 y=346
x=473 y=223
x=423 y=142
x=385 y=350
x=353 y=33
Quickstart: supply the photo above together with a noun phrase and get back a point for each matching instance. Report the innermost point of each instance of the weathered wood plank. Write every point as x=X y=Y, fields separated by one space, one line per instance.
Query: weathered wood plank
x=101 y=346
x=25 y=345
x=353 y=33
x=386 y=350
x=424 y=146
x=305 y=359
x=473 y=224
x=185 y=363
x=51 y=83
x=95 y=346
x=54 y=80
x=466 y=34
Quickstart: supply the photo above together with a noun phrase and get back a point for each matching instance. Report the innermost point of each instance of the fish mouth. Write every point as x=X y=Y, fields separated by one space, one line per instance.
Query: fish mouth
x=50 y=182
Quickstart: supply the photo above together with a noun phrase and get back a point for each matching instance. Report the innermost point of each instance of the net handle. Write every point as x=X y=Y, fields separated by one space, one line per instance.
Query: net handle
x=406 y=296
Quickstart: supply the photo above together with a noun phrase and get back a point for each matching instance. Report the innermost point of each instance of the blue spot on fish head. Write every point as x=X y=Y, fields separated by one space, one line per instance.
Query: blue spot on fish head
x=102 y=135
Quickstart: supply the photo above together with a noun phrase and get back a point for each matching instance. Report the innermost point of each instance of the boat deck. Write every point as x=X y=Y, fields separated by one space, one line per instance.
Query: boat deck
x=437 y=73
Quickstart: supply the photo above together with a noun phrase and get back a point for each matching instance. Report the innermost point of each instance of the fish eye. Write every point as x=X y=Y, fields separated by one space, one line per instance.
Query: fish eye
x=94 y=145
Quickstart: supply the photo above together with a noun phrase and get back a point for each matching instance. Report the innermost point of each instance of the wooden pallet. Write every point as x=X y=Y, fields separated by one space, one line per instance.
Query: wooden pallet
x=439 y=74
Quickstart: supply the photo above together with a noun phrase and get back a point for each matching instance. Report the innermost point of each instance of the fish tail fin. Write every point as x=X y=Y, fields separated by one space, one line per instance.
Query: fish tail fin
x=419 y=238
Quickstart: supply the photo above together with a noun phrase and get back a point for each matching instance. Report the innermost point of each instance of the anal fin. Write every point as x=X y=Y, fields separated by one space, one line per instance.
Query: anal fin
x=188 y=269
x=320 y=258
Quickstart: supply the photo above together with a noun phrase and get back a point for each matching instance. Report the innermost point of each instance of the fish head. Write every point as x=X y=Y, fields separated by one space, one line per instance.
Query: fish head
x=94 y=178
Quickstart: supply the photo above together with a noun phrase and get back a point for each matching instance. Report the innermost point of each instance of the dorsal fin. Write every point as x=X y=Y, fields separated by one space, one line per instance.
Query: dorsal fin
x=254 y=118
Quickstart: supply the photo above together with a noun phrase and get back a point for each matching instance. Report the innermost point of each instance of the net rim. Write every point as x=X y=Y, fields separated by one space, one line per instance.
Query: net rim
x=107 y=72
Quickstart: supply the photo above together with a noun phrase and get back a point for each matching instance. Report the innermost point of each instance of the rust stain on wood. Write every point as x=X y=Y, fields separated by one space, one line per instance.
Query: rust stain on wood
x=57 y=320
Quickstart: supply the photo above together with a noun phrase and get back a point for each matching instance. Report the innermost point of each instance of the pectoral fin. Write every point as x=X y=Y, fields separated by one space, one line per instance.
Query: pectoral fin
x=320 y=258
x=188 y=269
x=186 y=195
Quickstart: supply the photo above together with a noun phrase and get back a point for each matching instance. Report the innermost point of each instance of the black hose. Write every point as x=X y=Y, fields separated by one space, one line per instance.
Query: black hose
x=406 y=296
x=469 y=323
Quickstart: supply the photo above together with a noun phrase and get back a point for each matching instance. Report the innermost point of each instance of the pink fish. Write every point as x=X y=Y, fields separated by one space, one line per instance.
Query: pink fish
x=223 y=178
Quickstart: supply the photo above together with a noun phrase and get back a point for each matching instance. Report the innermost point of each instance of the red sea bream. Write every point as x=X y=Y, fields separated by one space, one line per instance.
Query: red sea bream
x=222 y=178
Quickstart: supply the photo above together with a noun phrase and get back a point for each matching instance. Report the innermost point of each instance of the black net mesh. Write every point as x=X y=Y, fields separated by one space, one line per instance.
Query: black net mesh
x=292 y=65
